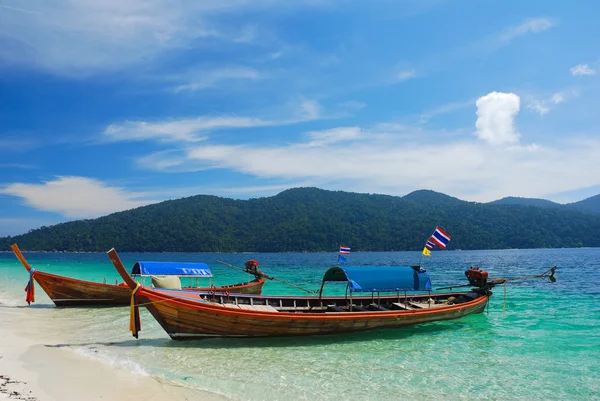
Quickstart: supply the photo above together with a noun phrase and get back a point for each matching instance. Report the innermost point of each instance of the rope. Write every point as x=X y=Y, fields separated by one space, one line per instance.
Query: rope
x=135 y=325
x=30 y=288
x=261 y=274
x=549 y=274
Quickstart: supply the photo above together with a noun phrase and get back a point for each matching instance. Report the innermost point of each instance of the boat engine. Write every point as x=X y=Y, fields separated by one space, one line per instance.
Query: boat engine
x=477 y=277
x=251 y=266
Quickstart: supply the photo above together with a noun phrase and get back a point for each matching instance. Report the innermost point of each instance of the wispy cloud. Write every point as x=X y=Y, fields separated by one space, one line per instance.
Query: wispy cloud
x=538 y=107
x=181 y=130
x=196 y=129
x=389 y=160
x=377 y=163
x=533 y=25
x=80 y=38
x=75 y=197
x=544 y=106
x=198 y=80
x=405 y=75
x=446 y=108
x=582 y=69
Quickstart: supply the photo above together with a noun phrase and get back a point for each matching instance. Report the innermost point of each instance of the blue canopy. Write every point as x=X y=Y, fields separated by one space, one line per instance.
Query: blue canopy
x=380 y=278
x=171 y=269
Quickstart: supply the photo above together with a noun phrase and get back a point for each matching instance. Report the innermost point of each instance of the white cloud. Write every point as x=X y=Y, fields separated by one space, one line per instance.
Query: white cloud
x=445 y=108
x=385 y=162
x=183 y=130
x=496 y=114
x=544 y=106
x=558 y=98
x=534 y=25
x=206 y=79
x=81 y=37
x=582 y=69
x=342 y=134
x=405 y=75
x=538 y=107
x=75 y=197
x=195 y=129
x=310 y=110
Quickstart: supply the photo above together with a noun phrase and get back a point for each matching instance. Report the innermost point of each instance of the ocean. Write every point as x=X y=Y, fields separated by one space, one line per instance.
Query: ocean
x=543 y=345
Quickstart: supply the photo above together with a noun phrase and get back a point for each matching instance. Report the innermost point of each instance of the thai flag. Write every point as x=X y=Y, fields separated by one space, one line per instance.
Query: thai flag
x=429 y=244
x=440 y=238
x=344 y=250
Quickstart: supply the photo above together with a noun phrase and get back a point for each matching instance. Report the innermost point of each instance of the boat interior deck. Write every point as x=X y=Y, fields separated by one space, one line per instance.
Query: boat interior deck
x=408 y=302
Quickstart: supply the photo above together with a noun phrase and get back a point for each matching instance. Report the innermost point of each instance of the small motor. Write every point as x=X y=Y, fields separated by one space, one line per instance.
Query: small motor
x=251 y=266
x=476 y=277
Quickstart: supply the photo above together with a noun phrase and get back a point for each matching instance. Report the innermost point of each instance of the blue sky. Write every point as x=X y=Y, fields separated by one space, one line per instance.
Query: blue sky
x=105 y=106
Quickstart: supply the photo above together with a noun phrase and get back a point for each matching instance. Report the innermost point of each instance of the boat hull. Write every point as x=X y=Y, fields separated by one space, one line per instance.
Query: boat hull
x=184 y=318
x=69 y=292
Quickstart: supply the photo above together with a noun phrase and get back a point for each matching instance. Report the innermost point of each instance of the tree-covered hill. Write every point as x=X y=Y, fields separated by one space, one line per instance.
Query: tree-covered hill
x=512 y=200
x=311 y=219
x=589 y=205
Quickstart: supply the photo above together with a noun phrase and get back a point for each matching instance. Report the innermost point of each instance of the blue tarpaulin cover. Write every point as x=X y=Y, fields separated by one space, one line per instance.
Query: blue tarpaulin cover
x=171 y=269
x=380 y=278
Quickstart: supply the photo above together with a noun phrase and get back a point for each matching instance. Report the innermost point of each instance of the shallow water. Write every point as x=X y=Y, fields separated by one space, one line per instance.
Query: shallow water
x=544 y=345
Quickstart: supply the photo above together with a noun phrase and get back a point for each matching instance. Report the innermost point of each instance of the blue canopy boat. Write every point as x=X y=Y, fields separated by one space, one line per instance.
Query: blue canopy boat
x=185 y=316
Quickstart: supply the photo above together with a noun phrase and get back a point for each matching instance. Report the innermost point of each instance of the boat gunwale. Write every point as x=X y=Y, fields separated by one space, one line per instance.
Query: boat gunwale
x=207 y=306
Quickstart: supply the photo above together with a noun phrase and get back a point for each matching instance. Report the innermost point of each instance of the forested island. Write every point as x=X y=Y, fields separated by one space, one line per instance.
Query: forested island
x=311 y=219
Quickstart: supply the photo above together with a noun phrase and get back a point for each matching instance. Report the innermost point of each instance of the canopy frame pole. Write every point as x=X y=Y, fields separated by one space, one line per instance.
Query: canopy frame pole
x=378 y=298
x=346 y=296
x=351 y=301
x=321 y=290
x=405 y=300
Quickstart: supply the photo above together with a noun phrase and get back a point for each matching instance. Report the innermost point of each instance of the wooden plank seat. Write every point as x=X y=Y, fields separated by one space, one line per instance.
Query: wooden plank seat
x=402 y=305
x=427 y=305
x=375 y=307
x=266 y=308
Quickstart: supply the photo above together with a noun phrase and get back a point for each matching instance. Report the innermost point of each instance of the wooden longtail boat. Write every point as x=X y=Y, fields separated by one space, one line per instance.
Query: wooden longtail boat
x=70 y=292
x=189 y=316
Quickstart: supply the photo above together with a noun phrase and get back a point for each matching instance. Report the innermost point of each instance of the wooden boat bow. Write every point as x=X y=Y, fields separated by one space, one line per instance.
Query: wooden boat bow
x=116 y=261
x=20 y=256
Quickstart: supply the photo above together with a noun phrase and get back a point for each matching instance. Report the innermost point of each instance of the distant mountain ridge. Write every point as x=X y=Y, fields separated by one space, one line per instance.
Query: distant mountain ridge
x=589 y=205
x=312 y=219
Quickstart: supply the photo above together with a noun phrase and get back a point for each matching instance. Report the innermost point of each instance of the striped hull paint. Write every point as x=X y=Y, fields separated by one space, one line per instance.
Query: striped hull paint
x=70 y=292
x=185 y=318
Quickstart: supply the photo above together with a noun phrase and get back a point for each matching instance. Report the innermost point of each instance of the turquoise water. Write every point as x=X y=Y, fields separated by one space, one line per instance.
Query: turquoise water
x=544 y=346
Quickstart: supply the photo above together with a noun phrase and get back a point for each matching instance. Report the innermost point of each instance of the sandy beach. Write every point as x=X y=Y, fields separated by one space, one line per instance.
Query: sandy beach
x=36 y=368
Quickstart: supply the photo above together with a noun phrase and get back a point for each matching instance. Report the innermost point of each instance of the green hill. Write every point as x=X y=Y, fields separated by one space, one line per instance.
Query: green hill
x=512 y=200
x=589 y=205
x=311 y=219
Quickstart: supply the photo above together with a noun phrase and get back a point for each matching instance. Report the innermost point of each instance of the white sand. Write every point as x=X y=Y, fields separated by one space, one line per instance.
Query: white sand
x=33 y=369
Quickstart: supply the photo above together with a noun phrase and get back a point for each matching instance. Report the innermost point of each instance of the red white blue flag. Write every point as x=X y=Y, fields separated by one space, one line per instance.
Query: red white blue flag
x=440 y=238
x=344 y=250
x=429 y=245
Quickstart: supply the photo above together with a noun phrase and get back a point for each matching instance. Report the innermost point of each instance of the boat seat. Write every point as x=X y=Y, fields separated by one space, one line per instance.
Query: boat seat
x=427 y=305
x=266 y=308
x=359 y=308
x=375 y=307
x=334 y=308
x=402 y=305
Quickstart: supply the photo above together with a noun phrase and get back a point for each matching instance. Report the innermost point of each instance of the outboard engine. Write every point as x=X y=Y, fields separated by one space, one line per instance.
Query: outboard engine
x=477 y=277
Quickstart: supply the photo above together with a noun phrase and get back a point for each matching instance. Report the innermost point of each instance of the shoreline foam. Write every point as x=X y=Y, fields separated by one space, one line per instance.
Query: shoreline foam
x=35 y=369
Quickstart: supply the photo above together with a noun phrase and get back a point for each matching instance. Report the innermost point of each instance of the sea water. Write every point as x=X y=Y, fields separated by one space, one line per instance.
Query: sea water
x=544 y=344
